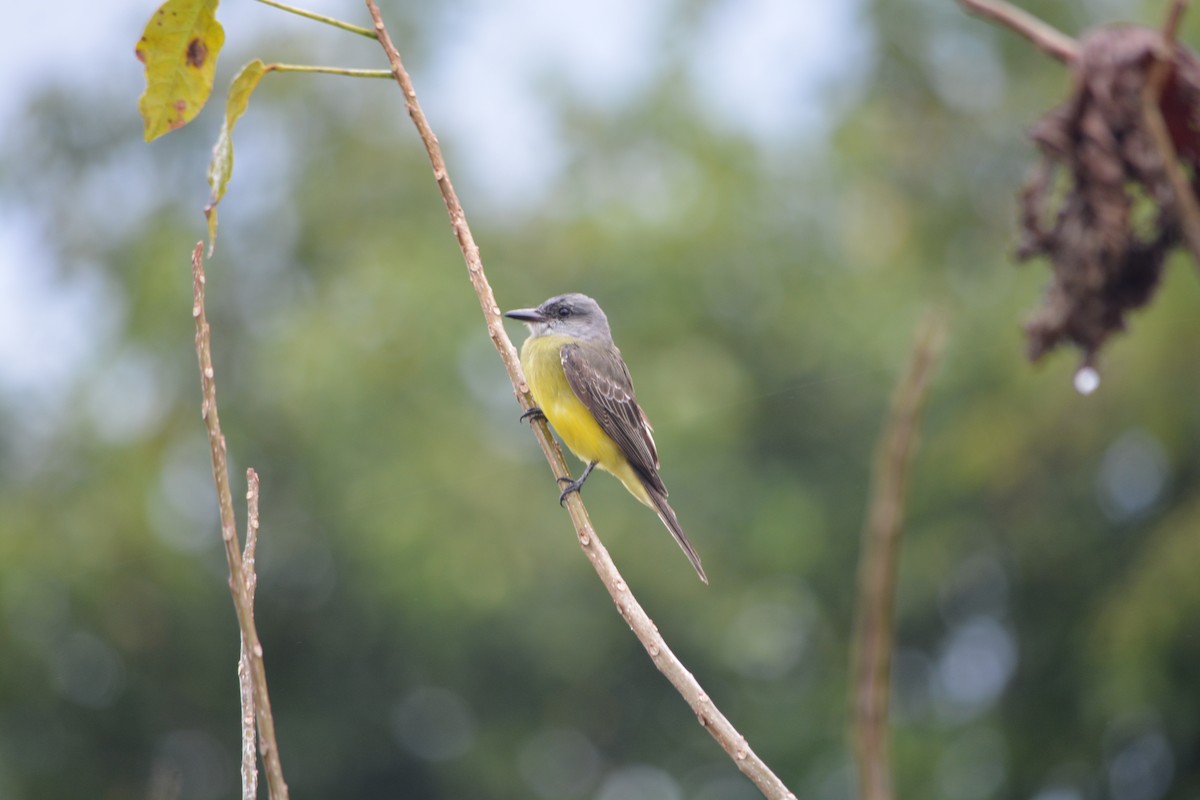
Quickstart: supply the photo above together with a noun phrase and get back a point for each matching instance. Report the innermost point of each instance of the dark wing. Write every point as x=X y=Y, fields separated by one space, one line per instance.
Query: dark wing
x=601 y=380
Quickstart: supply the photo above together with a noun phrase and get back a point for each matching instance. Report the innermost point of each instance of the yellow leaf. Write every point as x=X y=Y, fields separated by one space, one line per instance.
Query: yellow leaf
x=179 y=48
x=221 y=168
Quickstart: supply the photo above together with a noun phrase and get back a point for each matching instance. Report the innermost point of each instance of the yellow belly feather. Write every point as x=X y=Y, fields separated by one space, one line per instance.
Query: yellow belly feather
x=542 y=363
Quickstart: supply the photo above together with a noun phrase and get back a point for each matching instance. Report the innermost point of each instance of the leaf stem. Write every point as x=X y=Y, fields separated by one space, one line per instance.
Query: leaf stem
x=351 y=73
x=337 y=23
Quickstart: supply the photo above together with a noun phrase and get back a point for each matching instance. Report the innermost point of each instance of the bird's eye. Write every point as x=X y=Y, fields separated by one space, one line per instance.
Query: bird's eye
x=564 y=312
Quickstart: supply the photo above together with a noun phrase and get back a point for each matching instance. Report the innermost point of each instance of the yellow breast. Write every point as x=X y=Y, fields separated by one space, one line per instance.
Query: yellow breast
x=542 y=363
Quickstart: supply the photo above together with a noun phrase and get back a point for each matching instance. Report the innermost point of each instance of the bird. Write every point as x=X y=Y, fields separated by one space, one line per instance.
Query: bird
x=581 y=386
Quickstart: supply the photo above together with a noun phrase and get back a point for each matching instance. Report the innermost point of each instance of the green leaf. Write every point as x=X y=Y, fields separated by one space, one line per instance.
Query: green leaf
x=179 y=48
x=220 y=170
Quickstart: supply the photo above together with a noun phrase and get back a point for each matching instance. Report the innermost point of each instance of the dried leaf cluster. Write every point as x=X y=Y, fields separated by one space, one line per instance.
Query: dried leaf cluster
x=1101 y=206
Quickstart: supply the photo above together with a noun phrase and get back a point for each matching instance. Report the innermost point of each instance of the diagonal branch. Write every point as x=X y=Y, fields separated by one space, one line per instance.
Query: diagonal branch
x=643 y=627
x=1048 y=39
x=238 y=585
x=877 y=570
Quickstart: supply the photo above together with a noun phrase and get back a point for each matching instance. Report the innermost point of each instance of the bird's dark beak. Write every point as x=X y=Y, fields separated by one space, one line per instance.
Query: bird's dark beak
x=526 y=315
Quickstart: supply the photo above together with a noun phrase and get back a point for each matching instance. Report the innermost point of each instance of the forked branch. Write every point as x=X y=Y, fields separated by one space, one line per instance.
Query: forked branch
x=239 y=579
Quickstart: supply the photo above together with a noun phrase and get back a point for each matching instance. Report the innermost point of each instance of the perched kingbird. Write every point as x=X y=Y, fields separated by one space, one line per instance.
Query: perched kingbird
x=582 y=386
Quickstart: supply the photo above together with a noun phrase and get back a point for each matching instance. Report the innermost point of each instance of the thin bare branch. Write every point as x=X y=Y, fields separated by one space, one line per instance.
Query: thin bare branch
x=1156 y=80
x=643 y=627
x=245 y=680
x=238 y=584
x=337 y=23
x=877 y=569
x=1047 y=38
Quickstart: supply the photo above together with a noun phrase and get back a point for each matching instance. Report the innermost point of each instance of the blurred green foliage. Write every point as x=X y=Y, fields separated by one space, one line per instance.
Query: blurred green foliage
x=430 y=627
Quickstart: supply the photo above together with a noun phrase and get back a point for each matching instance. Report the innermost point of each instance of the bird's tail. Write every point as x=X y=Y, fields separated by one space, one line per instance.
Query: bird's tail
x=667 y=515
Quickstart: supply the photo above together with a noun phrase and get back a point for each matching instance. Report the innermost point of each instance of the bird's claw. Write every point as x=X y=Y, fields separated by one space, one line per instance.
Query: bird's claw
x=533 y=413
x=572 y=486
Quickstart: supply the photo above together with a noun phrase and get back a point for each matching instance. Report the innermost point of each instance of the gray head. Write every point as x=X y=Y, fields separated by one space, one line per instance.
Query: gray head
x=575 y=315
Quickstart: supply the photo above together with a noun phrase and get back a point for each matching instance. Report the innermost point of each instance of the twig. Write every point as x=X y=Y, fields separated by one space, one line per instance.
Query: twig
x=238 y=585
x=646 y=631
x=337 y=23
x=245 y=683
x=1174 y=17
x=1048 y=39
x=1156 y=81
x=877 y=571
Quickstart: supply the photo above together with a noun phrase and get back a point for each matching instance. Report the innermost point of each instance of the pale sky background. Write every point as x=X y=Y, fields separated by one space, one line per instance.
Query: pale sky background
x=758 y=66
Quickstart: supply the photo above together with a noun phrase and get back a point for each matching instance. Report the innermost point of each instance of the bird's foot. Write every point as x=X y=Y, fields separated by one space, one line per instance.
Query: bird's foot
x=533 y=413
x=574 y=485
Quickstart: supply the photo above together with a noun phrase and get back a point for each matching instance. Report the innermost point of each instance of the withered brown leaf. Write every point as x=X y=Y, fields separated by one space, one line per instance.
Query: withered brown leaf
x=1100 y=206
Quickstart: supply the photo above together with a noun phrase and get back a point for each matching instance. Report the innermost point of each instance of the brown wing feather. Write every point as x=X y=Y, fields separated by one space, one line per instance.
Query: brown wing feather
x=600 y=379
